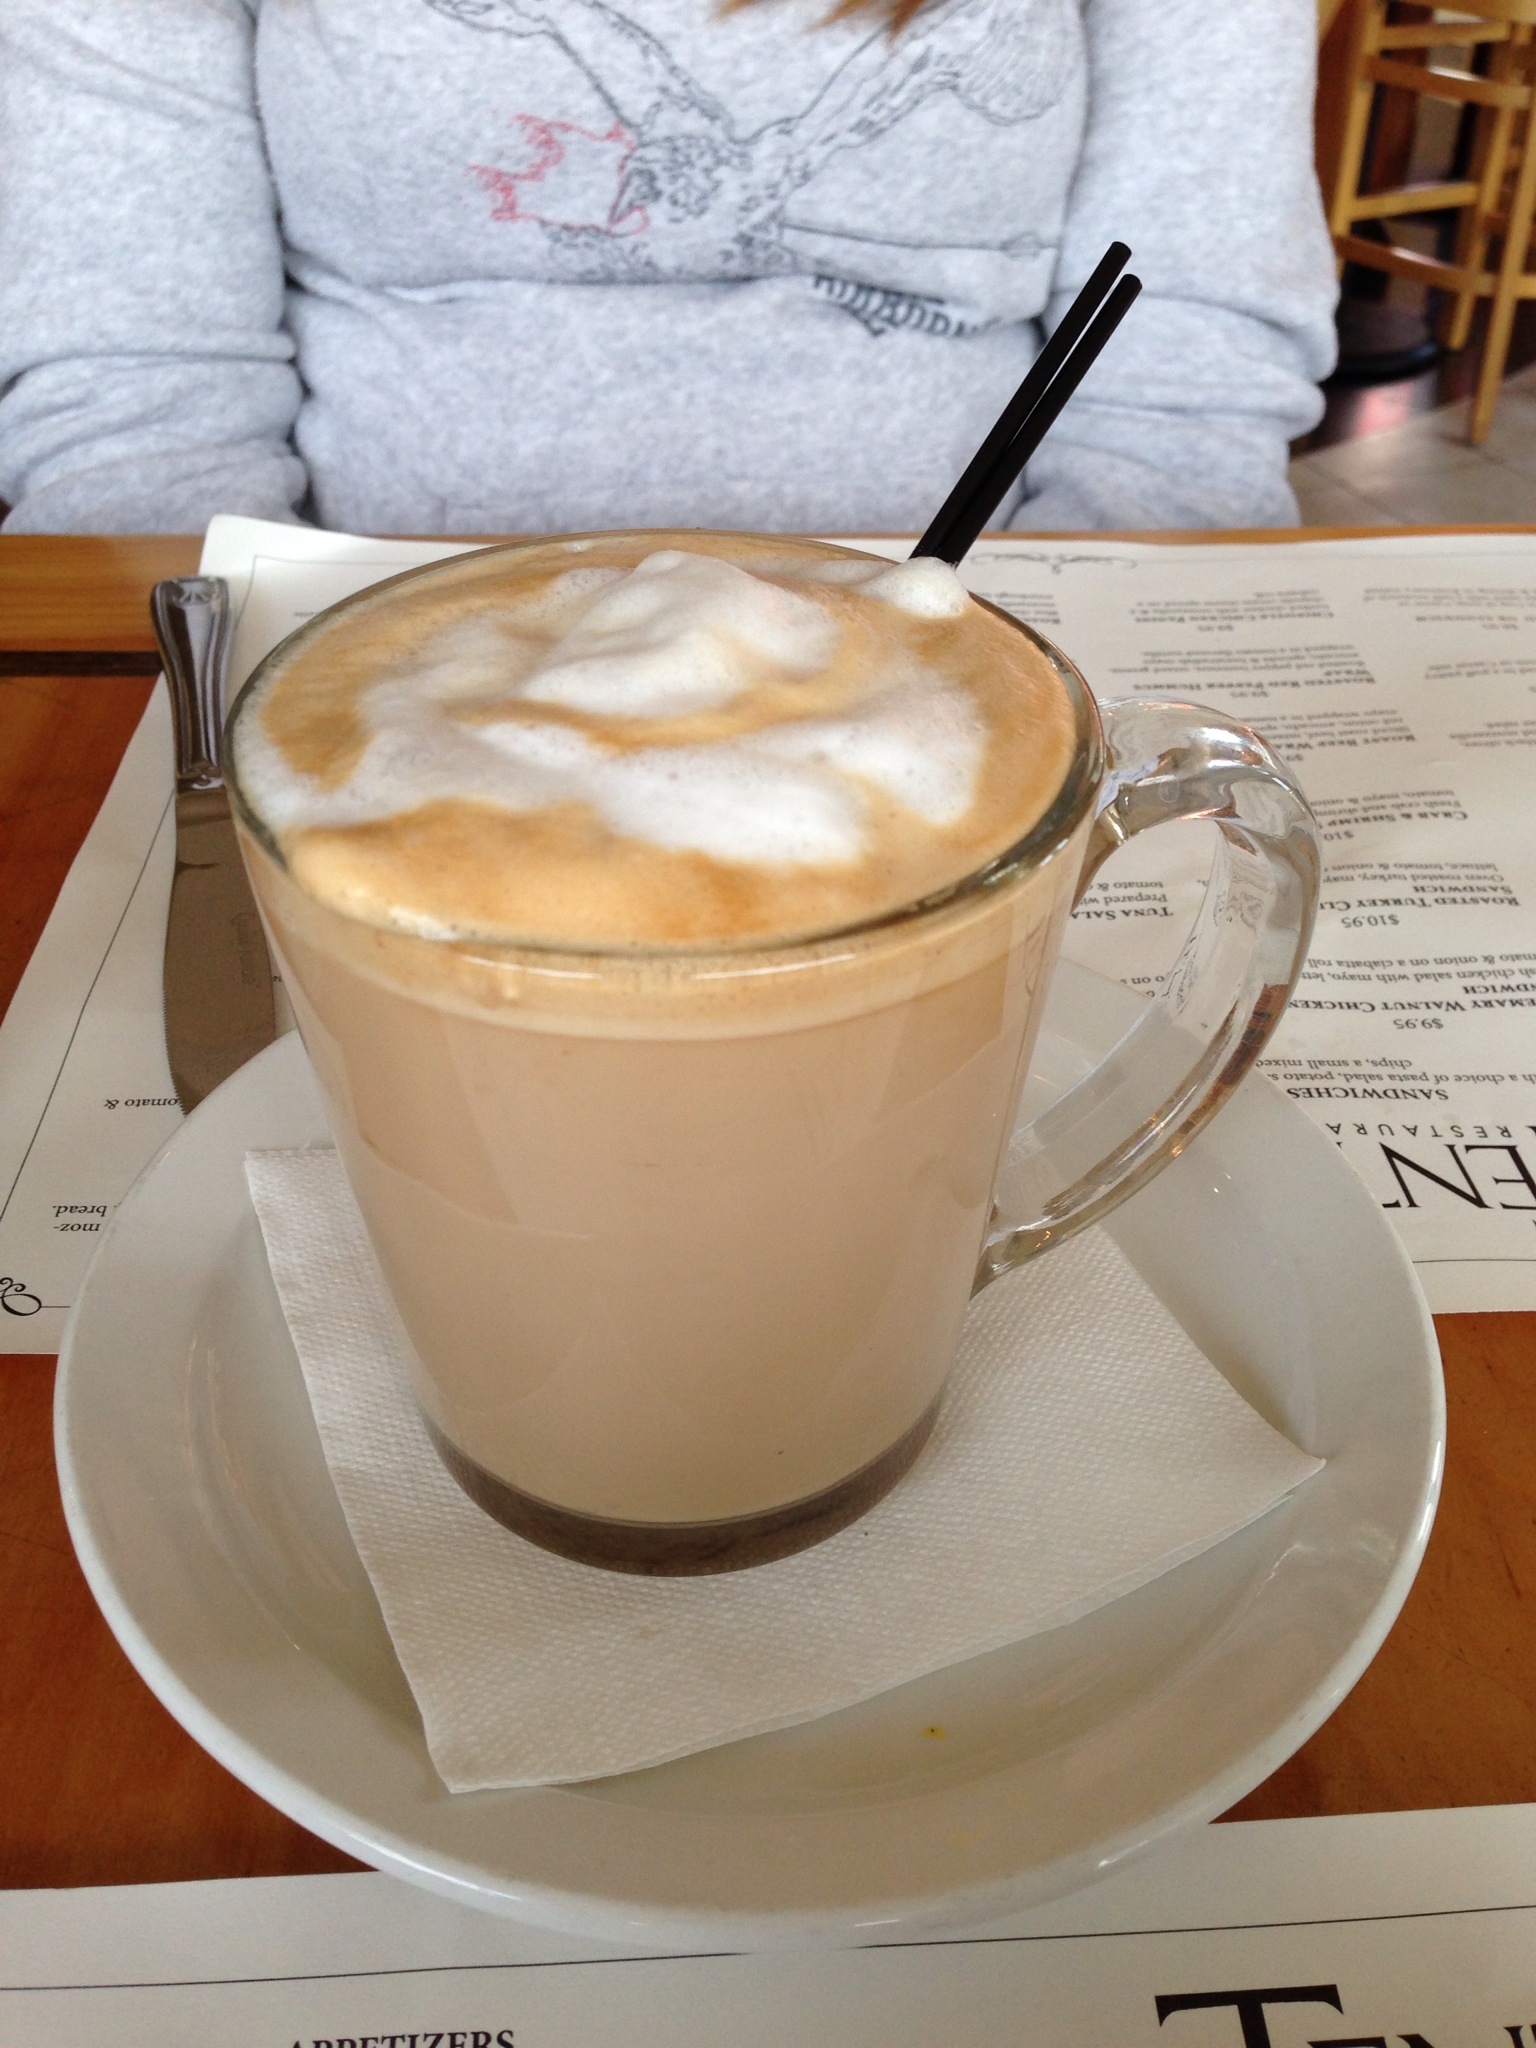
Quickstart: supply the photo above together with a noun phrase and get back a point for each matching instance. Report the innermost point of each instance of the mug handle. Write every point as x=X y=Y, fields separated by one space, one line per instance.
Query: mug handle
x=1171 y=1072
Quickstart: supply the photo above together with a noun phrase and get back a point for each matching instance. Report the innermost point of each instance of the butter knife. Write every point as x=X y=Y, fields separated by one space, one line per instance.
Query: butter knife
x=219 y=1006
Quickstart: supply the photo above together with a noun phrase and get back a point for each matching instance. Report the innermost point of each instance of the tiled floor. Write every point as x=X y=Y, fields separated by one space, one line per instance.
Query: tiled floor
x=1423 y=472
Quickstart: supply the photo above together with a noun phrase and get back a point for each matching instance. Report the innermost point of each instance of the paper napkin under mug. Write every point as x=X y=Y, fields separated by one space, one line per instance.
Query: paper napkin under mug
x=1084 y=1447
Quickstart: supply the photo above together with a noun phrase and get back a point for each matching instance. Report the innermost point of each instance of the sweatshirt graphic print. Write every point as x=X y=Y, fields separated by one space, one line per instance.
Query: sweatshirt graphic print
x=676 y=188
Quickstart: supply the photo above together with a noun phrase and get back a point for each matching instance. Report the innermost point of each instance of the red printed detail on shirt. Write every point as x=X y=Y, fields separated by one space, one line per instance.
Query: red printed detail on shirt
x=570 y=177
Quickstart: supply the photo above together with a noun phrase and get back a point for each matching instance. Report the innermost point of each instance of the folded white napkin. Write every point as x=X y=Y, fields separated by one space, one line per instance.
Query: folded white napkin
x=1085 y=1446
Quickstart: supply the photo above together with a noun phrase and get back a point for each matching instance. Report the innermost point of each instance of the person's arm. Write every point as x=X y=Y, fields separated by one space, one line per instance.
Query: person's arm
x=1199 y=154
x=145 y=379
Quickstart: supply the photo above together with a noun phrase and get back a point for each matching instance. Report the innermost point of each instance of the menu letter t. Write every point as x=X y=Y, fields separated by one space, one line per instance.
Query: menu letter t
x=1249 y=2005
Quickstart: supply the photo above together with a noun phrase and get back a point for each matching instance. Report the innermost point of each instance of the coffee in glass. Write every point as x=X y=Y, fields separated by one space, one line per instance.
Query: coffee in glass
x=668 y=918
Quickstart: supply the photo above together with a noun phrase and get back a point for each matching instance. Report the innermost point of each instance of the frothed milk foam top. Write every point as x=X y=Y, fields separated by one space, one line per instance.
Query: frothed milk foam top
x=658 y=740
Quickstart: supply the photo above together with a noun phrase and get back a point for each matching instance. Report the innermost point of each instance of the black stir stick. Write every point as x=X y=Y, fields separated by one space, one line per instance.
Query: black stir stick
x=1030 y=414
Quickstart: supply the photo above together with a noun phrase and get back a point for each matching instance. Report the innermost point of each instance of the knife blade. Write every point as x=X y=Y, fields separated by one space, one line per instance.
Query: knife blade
x=219 y=1005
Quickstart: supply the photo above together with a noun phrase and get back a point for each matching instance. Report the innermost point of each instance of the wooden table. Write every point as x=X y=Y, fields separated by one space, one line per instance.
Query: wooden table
x=99 y=1786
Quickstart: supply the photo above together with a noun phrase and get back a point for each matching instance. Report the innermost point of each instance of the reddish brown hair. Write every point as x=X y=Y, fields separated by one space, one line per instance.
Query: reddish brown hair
x=896 y=13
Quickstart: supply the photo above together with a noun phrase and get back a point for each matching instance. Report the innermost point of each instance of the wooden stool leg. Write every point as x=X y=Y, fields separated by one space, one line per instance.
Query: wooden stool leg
x=1517 y=237
x=1495 y=129
x=1364 y=37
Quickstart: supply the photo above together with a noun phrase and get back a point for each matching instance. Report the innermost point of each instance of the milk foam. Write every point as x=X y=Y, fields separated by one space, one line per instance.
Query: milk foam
x=676 y=635
x=615 y=740
x=680 y=633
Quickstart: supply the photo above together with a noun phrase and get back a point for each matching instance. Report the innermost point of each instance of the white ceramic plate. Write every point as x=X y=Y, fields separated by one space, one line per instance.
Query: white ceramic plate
x=205 y=1520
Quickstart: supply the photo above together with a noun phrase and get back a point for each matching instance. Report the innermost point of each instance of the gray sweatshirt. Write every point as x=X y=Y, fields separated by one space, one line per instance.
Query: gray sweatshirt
x=515 y=265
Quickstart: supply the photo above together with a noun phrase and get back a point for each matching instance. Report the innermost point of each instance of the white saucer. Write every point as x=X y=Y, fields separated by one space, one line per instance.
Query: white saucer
x=206 y=1523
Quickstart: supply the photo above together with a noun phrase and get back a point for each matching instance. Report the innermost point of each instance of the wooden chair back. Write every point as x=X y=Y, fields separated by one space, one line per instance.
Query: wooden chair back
x=1493 y=200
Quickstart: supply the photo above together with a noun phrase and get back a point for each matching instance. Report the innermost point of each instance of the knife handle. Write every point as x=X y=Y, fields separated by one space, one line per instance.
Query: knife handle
x=191 y=620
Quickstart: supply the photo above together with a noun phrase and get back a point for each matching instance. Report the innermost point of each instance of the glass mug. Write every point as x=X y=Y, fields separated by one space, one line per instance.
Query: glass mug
x=683 y=1239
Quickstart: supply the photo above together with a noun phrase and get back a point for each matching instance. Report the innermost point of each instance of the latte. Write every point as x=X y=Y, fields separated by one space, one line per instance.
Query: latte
x=654 y=912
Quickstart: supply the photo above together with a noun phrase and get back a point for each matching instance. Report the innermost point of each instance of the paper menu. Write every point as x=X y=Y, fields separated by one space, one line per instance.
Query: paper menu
x=1397 y=679
x=1397 y=676
x=1353 y=1932
x=86 y=1098
x=85 y=1087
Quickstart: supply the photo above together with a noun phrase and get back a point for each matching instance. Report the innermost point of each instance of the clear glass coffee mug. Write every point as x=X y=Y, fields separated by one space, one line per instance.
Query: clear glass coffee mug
x=683 y=1240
